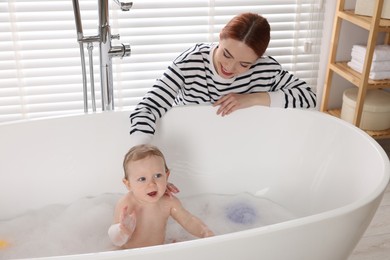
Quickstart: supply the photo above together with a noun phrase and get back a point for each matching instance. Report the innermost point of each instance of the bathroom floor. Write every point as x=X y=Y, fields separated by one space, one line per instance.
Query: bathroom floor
x=375 y=243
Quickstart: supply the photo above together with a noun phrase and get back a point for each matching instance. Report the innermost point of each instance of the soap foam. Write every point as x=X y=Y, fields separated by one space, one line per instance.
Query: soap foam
x=81 y=227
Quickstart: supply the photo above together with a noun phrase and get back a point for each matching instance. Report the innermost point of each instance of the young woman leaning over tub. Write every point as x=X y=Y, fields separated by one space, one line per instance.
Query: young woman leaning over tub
x=232 y=74
x=141 y=215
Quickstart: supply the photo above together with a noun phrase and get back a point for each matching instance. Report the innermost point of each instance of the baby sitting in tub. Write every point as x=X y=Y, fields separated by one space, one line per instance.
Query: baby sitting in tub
x=141 y=215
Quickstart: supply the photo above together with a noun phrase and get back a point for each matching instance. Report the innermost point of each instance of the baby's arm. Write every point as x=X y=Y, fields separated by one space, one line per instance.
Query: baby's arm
x=121 y=232
x=188 y=221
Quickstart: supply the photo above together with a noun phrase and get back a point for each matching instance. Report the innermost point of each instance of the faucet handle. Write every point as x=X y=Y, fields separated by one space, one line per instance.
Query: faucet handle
x=121 y=51
x=125 y=6
x=115 y=37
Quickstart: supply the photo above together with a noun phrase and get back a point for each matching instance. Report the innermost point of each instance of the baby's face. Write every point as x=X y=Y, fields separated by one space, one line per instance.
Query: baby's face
x=147 y=179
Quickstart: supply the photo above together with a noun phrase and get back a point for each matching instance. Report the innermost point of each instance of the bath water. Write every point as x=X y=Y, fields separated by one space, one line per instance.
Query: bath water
x=81 y=227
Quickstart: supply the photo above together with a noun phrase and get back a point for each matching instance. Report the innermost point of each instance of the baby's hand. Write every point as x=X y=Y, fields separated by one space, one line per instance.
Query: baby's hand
x=207 y=233
x=127 y=221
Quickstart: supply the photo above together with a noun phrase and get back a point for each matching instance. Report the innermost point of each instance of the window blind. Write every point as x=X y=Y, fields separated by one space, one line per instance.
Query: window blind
x=40 y=68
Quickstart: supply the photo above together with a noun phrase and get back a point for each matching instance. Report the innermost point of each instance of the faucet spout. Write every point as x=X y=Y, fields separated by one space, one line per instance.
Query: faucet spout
x=125 y=6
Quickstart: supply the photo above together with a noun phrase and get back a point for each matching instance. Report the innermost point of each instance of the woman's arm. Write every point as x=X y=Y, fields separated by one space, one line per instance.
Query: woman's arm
x=156 y=102
x=289 y=91
x=166 y=89
x=270 y=86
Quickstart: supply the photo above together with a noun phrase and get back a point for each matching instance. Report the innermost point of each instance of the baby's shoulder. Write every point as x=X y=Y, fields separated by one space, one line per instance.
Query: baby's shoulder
x=170 y=200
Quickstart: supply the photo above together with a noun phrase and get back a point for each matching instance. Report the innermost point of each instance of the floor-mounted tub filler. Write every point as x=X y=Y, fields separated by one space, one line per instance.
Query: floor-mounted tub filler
x=327 y=173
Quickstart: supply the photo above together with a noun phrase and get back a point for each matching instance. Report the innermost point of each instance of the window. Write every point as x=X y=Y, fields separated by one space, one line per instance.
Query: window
x=40 y=69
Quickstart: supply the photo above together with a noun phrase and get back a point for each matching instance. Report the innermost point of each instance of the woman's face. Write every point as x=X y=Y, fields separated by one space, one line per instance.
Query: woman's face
x=233 y=58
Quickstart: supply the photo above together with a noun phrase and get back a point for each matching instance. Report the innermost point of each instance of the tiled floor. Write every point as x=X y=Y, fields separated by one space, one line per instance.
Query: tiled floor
x=375 y=243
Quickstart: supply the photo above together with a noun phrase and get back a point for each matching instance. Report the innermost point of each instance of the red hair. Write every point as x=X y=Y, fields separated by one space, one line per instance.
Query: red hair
x=249 y=28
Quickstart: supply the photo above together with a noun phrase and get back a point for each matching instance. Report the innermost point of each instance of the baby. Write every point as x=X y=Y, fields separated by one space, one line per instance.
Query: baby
x=141 y=215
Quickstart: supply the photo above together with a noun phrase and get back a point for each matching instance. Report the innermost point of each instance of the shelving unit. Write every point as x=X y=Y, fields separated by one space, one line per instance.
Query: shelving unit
x=374 y=25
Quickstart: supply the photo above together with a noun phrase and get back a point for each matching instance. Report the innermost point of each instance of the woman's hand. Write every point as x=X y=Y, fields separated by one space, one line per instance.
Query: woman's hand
x=171 y=189
x=233 y=101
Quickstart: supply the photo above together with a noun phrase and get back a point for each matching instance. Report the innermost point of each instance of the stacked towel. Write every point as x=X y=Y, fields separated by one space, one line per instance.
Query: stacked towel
x=380 y=66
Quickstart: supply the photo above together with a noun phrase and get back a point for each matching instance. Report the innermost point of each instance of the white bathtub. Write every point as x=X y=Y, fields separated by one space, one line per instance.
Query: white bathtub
x=329 y=173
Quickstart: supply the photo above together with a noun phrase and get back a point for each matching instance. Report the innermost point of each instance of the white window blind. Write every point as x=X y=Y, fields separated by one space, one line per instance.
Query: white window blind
x=40 y=68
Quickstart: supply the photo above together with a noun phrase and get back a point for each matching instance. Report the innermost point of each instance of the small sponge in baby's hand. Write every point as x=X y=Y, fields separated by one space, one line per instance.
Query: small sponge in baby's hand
x=3 y=244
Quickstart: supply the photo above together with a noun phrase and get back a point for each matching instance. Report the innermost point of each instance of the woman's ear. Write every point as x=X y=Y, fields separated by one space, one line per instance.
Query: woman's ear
x=167 y=173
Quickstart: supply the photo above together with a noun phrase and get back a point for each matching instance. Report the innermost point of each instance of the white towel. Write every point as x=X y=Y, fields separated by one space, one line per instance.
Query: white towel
x=376 y=75
x=381 y=52
x=376 y=66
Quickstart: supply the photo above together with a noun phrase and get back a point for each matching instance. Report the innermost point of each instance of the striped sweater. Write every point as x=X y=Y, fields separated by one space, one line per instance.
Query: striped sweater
x=192 y=79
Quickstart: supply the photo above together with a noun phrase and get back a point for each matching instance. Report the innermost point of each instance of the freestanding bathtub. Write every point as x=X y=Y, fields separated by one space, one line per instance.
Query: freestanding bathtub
x=326 y=171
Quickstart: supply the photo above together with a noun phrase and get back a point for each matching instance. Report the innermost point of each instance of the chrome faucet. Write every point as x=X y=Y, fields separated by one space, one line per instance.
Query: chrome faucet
x=125 y=6
x=106 y=52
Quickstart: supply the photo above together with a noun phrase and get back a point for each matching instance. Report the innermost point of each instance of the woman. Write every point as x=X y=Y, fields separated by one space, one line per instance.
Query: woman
x=232 y=74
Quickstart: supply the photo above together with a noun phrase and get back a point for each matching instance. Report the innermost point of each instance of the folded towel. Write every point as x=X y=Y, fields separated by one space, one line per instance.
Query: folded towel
x=376 y=75
x=376 y=66
x=357 y=55
x=381 y=52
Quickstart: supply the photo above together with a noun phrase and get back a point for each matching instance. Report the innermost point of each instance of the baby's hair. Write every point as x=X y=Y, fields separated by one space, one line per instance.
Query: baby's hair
x=140 y=152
